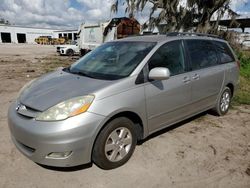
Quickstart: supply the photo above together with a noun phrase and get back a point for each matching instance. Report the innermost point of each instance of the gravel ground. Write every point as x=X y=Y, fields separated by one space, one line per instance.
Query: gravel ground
x=204 y=151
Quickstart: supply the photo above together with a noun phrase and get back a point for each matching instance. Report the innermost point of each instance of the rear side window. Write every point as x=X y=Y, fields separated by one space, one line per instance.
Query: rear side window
x=224 y=52
x=202 y=54
x=171 y=56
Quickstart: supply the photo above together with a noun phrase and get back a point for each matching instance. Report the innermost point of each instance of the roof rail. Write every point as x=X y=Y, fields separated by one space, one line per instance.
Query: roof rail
x=172 y=34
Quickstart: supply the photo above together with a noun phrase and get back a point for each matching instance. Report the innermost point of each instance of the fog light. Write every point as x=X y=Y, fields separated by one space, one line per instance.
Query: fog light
x=59 y=155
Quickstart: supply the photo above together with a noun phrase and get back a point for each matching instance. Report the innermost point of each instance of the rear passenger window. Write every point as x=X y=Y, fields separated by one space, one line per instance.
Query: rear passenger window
x=224 y=52
x=202 y=54
x=169 y=55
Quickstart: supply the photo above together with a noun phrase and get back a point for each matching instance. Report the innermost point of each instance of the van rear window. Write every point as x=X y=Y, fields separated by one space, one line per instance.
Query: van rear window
x=224 y=52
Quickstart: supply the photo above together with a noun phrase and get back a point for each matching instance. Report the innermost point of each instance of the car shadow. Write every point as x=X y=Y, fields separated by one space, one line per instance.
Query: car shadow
x=67 y=169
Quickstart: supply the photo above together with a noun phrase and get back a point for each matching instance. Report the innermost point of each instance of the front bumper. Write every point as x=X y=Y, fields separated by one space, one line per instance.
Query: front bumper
x=37 y=139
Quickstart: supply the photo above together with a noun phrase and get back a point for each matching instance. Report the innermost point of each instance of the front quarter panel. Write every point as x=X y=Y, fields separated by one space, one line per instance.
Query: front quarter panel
x=132 y=100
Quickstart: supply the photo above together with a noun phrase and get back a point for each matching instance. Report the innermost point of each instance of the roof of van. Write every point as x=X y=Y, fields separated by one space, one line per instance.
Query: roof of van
x=160 y=38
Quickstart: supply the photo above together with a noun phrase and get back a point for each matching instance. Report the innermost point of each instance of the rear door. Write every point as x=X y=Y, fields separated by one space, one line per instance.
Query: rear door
x=206 y=73
x=167 y=100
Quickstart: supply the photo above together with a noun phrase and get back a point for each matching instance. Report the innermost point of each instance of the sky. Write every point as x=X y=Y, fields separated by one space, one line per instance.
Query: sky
x=69 y=14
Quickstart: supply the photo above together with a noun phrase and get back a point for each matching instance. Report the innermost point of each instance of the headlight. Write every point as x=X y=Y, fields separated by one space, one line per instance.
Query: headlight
x=66 y=109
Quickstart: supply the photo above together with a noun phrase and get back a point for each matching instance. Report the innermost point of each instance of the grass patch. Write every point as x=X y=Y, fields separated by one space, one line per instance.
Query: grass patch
x=242 y=96
x=244 y=58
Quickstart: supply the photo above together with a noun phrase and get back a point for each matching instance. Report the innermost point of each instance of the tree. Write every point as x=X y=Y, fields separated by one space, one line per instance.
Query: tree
x=193 y=15
x=3 y=21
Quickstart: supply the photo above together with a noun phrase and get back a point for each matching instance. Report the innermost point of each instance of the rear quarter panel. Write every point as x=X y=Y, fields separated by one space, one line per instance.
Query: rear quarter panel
x=232 y=71
x=232 y=75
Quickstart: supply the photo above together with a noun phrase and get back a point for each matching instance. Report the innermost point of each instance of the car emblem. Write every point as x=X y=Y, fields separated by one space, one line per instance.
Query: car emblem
x=21 y=107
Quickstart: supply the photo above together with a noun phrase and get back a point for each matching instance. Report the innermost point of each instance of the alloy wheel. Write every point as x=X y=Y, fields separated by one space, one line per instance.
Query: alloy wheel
x=225 y=101
x=118 y=144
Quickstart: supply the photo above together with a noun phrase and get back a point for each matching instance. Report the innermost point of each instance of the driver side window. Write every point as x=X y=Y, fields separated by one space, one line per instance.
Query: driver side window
x=169 y=55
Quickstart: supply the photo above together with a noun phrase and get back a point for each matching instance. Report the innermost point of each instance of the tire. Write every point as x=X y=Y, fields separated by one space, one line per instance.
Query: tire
x=115 y=144
x=70 y=52
x=224 y=102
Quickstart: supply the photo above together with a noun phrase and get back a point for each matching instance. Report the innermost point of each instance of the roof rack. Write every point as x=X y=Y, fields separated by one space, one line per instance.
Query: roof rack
x=172 y=34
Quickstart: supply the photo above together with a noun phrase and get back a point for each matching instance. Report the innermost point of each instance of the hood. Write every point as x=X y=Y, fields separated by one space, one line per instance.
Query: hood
x=59 y=86
x=67 y=45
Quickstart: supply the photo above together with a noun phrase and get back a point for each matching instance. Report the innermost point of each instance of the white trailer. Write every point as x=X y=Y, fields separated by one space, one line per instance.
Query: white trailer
x=92 y=35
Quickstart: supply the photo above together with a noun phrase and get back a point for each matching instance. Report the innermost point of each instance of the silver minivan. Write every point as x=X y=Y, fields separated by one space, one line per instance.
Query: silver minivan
x=97 y=109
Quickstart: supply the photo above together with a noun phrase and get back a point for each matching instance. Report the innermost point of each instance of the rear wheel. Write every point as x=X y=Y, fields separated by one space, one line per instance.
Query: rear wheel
x=223 y=103
x=115 y=144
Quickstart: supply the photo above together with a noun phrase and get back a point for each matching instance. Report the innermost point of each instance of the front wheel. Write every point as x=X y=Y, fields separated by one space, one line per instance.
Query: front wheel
x=115 y=144
x=70 y=52
x=223 y=103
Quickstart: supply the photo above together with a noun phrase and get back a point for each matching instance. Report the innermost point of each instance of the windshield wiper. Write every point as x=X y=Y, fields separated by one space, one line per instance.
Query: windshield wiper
x=67 y=69
x=81 y=74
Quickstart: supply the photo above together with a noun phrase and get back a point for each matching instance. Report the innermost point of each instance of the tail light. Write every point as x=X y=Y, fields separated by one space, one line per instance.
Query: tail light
x=238 y=63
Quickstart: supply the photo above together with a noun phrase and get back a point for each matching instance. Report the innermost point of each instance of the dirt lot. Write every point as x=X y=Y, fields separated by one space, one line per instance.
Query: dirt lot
x=205 y=151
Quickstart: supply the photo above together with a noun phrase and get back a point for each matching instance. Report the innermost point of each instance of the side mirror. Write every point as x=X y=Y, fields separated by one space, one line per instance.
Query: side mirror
x=159 y=73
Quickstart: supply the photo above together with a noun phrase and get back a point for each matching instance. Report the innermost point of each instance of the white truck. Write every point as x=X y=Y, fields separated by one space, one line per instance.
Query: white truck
x=92 y=35
x=68 y=49
x=246 y=45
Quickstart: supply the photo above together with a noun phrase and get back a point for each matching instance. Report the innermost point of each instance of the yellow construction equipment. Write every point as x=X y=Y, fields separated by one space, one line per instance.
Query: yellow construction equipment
x=47 y=40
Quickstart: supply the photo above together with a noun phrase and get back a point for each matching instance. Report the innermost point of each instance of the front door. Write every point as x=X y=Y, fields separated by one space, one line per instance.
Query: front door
x=168 y=100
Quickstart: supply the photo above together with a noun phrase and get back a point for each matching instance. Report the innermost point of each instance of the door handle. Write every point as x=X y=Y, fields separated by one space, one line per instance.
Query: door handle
x=196 y=77
x=186 y=79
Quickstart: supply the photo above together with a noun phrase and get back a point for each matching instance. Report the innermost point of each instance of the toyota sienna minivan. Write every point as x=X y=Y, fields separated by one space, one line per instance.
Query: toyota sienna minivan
x=97 y=109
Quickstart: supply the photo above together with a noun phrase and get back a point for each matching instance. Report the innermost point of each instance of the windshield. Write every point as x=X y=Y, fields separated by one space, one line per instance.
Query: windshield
x=73 y=42
x=113 y=60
